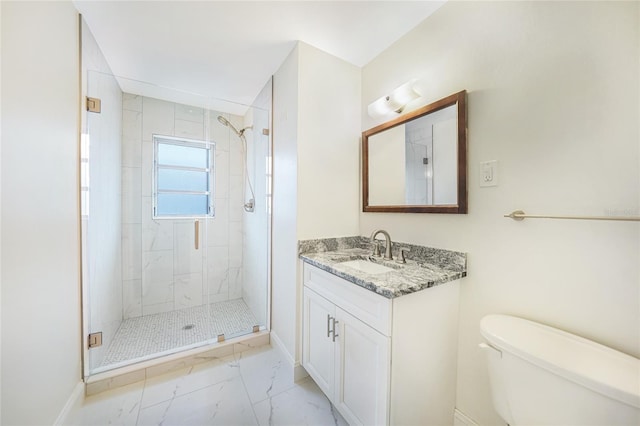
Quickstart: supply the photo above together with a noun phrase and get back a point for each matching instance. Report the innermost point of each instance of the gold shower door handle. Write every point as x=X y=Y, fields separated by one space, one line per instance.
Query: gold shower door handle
x=196 y=226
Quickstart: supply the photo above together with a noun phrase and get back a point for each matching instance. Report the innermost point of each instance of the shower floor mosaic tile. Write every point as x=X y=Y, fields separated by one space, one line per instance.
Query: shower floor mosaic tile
x=143 y=336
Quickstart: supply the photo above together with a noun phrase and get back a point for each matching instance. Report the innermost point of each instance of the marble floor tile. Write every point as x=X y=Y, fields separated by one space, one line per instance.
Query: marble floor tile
x=265 y=372
x=303 y=404
x=114 y=407
x=254 y=387
x=224 y=403
x=189 y=379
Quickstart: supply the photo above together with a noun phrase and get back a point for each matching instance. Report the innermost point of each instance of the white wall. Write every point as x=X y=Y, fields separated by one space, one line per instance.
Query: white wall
x=553 y=95
x=41 y=341
x=101 y=221
x=315 y=182
x=285 y=203
x=328 y=145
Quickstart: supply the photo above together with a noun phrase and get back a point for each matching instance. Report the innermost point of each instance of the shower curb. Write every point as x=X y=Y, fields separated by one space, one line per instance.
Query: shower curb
x=123 y=376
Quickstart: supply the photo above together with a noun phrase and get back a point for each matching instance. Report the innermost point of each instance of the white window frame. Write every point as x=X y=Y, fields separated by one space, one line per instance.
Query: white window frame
x=173 y=140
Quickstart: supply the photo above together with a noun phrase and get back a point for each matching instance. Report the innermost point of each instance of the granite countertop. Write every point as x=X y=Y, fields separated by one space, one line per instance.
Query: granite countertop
x=426 y=267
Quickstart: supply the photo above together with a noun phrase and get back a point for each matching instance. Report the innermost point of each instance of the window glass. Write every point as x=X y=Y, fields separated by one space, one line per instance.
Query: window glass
x=187 y=180
x=181 y=155
x=182 y=204
x=183 y=177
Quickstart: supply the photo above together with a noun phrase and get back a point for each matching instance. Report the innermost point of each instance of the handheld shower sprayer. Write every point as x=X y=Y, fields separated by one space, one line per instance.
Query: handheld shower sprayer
x=226 y=122
x=249 y=206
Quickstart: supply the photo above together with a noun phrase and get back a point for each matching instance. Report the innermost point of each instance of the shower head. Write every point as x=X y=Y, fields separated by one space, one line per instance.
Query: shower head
x=226 y=122
x=250 y=205
x=223 y=120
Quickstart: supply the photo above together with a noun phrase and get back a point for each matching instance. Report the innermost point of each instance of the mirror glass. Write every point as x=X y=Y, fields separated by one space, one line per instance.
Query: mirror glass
x=417 y=163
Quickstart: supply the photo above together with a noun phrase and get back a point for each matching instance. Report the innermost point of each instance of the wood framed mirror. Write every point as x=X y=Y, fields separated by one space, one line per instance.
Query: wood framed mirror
x=417 y=163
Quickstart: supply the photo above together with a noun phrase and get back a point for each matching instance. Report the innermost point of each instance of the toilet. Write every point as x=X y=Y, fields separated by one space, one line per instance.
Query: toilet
x=540 y=375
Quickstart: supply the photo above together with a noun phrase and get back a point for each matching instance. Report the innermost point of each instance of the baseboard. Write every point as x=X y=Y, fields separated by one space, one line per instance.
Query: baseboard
x=461 y=419
x=74 y=401
x=299 y=372
x=278 y=343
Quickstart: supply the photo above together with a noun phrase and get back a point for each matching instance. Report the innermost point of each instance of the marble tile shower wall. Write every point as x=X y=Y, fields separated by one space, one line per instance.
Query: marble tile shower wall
x=161 y=269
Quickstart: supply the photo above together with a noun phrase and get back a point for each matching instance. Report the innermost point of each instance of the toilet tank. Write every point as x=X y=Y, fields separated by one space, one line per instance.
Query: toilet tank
x=544 y=376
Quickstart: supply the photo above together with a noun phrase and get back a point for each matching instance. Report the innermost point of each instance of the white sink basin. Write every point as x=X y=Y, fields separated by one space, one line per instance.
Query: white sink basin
x=365 y=266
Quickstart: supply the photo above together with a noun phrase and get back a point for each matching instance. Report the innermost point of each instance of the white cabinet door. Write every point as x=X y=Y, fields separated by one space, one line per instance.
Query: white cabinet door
x=363 y=365
x=318 y=346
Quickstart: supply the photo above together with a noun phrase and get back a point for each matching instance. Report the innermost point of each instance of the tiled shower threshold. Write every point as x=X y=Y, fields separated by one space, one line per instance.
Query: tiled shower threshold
x=133 y=373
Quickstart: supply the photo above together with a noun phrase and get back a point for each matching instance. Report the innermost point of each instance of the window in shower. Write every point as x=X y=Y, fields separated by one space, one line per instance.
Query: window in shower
x=182 y=178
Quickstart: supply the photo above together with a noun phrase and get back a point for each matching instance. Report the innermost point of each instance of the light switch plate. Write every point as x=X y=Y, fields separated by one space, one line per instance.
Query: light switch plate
x=489 y=173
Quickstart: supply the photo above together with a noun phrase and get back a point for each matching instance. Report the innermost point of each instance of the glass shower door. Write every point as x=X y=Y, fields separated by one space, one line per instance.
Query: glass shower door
x=257 y=224
x=166 y=193
x=163 y=270
x=101 y=217
x=238 y=238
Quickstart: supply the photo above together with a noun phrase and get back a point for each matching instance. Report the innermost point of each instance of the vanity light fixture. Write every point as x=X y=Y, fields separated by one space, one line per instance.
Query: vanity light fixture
x=396 y=101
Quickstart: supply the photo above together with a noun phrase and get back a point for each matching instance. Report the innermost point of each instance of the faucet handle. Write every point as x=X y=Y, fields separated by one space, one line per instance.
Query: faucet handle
x=402 y=258
x=376 y=248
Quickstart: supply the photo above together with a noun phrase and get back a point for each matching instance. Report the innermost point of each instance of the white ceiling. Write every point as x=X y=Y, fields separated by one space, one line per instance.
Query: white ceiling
x=228 y=50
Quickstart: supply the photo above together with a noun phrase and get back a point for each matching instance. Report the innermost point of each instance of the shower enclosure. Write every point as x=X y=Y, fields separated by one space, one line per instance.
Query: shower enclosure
x=172 y=257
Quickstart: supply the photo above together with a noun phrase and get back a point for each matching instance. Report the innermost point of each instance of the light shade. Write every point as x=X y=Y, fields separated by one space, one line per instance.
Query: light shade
x=395 y=102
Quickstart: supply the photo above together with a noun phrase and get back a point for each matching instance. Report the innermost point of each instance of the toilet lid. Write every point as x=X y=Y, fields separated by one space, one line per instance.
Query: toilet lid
x=591 y=364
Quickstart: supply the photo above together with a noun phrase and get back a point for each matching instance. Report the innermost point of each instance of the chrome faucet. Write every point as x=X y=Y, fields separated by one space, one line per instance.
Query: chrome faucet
x=387 y=251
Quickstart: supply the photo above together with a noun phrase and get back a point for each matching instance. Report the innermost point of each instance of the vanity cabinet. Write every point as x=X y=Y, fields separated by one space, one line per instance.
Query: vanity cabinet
x=381 y=361
x=348 y=359
x=319 y=353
